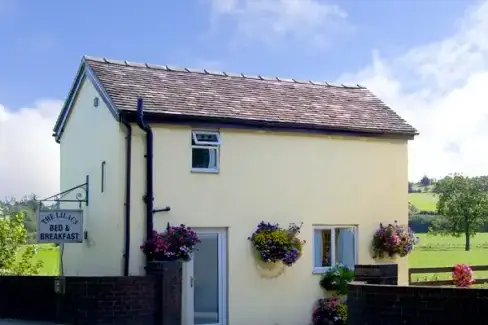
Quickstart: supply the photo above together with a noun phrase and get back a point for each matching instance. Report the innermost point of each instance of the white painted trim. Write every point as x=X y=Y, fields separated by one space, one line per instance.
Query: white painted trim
x=187 y=310
x=321 y=270
x=217 y=159
x=205 y=143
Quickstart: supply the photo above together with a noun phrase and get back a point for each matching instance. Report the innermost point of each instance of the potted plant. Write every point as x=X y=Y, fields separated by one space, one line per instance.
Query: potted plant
x=275 y=244
x=462 y=275
x=336 y=279
x=175 y=243
x=330 y=311
x=393 y=240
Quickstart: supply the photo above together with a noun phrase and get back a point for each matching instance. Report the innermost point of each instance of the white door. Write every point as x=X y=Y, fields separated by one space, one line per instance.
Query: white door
x=206 y=280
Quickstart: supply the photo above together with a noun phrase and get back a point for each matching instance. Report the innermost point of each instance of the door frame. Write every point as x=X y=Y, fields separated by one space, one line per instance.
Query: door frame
x=188 y=293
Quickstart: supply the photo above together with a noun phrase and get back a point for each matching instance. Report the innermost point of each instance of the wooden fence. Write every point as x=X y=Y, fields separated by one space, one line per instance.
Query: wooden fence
x=447 y=269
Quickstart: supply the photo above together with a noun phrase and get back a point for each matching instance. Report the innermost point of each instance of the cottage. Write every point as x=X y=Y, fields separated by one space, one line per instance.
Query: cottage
x=222 y=152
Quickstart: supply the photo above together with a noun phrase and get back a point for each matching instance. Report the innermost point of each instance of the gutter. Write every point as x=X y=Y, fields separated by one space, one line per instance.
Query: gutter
x=149 y=196
x=128 y=165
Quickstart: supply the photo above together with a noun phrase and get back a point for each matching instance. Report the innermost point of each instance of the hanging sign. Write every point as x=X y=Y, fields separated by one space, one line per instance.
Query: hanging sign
x=60 y=226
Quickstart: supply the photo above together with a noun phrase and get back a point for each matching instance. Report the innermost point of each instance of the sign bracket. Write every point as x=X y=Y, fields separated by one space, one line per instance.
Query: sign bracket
x=81 y=195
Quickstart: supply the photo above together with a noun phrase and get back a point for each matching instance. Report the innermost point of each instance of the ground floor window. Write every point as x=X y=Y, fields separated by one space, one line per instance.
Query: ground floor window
x=333 y=245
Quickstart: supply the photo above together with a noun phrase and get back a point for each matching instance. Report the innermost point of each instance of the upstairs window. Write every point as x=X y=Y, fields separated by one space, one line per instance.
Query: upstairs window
x=205 y=151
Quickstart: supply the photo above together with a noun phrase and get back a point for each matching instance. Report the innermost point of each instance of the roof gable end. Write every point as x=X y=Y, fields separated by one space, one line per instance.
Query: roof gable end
x=84 y=73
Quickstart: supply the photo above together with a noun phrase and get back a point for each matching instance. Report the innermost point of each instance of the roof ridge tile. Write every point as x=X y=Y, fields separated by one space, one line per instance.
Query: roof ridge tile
x=171 y=68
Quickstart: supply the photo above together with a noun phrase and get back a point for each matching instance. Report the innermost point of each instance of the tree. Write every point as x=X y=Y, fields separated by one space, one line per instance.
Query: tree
x=412 y=210
x=410 y=187
x=464 y=205
x=15 y=258
x=425 y=181
x=27 y=205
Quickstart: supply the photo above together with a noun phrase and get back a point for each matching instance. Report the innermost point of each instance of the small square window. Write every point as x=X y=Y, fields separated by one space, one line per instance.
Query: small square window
x=205 y=151
x=334 y=245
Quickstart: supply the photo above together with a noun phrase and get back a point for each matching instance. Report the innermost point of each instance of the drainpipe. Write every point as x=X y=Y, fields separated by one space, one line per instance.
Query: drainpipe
x=128 y=173
x=149 y=197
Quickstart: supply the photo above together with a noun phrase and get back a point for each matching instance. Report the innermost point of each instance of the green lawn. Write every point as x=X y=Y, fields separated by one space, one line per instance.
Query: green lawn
x=49 y=254
x=423 y=201
x=437 y=251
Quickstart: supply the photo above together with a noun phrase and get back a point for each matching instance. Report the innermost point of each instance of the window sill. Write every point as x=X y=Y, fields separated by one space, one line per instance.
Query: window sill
x=204 y=171
x=322 y=270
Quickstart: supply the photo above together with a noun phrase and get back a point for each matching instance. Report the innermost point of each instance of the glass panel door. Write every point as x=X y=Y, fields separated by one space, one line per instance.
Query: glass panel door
x=206 y=280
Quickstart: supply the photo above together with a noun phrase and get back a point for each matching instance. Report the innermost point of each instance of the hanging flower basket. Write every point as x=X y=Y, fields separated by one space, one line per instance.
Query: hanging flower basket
x=393 y=240
x=462 y=276
x=330 y=311
x=175 y=243
x=275 y=244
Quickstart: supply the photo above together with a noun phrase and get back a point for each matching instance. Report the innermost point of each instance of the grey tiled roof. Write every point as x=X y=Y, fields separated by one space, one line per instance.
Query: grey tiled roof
x=203 y=93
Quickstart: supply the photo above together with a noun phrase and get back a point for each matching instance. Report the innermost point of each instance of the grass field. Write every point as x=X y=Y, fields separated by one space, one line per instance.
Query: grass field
x=423 y=201
x=436 y=251
x=49 y=255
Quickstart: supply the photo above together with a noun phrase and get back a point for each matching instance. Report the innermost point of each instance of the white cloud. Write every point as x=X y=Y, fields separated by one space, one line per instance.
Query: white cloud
x=311 y=21
x=442 y=89
x=29 y=156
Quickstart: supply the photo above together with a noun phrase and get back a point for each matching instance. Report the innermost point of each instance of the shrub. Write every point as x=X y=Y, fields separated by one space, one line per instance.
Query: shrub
x=393 y=240
x=330 y=311
x=13 y=259
x=175 y=243
x=462 y=275
x=275 y=244
x=337 y=278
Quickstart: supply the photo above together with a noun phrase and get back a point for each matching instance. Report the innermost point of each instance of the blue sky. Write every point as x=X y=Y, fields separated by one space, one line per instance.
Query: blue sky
x=43 y=41
x=427 y=59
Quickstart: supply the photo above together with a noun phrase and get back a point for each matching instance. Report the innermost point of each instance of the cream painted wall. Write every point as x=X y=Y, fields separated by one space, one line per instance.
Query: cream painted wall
x=317 y=180
x=91 y=136
x=279 y=177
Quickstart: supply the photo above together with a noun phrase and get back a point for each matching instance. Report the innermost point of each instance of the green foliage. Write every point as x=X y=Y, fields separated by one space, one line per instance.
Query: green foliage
x=463 y=202
x=337 y=278
x=27 y=205
x=12 y=236
x=412 y=210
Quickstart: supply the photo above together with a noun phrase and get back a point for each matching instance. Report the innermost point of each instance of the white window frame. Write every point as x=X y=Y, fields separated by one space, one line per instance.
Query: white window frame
x=323 y=269
x=214 y=145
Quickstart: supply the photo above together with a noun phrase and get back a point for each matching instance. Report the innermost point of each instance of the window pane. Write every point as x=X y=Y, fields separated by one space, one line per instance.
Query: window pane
x=322 y=244
x=207 y=137
x=206 y=277
x=345 y=246
x=204 y=158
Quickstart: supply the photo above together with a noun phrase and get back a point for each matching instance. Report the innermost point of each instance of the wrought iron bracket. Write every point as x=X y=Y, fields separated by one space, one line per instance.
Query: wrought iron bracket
x=81 y=194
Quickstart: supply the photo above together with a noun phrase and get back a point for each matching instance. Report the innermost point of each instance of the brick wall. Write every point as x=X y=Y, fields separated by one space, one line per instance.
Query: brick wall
x=27 y=297
x=410 y=305
x=136 y=300
x=109 y=300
